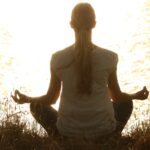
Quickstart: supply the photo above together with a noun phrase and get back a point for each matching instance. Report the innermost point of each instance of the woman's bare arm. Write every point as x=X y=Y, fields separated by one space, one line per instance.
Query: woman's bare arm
x=48 y=99
x=116 y=93
x=52 y=93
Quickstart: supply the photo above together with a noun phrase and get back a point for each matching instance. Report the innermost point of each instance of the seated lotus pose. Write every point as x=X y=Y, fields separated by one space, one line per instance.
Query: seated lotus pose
x=91 y=101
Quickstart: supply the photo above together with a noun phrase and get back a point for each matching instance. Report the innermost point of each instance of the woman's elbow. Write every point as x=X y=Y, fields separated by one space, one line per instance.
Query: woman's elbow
x=53 y=102
x=116 y=97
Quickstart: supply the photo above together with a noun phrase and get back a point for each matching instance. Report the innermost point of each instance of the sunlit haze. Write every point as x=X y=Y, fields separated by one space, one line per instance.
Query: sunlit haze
x=31 y=30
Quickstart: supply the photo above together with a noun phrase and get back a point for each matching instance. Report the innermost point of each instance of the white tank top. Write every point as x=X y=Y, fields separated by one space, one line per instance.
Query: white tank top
x=85 y=115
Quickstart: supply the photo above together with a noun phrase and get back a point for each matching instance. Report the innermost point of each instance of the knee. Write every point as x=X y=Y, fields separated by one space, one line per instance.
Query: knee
x=123 y=110
x=129 y=105
x=34 y=107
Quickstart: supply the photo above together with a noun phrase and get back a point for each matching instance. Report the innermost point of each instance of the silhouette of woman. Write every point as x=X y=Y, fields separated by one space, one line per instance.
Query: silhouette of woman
x=92 y=103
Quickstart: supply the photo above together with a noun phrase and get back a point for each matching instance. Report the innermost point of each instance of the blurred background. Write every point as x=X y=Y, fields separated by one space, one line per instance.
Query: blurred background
x=32 y=30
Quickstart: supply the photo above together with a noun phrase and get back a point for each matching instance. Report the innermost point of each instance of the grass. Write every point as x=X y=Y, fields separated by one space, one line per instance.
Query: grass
x=16 y=134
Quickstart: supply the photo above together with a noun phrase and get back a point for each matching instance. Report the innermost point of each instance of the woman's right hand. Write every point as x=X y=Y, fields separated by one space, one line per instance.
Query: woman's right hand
x=142 y=94
x=19 y=97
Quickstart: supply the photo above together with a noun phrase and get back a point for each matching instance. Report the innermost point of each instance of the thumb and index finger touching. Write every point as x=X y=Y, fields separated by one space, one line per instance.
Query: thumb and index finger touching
x=146 y=92
x=16 y=96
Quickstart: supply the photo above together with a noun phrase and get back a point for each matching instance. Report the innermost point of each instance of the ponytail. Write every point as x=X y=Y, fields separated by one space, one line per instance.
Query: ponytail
x=83 y=20
x=83 y=63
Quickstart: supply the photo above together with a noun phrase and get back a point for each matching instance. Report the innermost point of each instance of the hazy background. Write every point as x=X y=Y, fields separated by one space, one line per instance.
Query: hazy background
x=31 y=30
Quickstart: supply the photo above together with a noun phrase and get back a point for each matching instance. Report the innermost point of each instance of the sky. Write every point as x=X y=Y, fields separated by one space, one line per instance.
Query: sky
x=43 y=25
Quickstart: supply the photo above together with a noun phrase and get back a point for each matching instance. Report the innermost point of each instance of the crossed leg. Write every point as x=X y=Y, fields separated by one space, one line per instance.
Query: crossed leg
x=47 y=115
x=123 y=111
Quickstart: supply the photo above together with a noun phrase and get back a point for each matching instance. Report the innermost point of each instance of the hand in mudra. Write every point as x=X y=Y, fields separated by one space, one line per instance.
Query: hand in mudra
x=19 y=97
x=142 y=94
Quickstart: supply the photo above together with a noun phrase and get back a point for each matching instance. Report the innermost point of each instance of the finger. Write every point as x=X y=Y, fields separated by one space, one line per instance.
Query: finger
x=145 y=88
x=15 y=99
x=20 y=94
x=146 y=94
x=16 y=93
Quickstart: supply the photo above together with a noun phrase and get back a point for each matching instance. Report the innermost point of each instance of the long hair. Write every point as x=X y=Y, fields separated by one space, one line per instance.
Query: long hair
x=83 y=20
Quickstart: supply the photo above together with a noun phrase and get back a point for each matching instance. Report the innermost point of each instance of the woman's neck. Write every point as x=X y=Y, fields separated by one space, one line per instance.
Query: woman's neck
x=83 y=36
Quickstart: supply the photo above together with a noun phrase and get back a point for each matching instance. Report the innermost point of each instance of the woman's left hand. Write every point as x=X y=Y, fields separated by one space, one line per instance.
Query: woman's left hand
x=19 y=97
x=142 y=94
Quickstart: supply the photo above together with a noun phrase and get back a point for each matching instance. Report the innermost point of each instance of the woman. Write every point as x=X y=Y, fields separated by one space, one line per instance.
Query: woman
x=92 y=103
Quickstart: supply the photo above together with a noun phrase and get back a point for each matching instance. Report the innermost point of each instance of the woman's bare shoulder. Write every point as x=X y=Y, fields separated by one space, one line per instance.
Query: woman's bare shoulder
x=105 y=52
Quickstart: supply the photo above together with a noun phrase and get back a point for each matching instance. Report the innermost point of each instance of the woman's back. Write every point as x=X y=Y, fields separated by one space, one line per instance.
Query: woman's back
x=85 y=72
x=85 y=114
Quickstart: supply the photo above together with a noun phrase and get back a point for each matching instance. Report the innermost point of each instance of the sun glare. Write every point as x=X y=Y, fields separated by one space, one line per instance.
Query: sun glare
x=37 y=28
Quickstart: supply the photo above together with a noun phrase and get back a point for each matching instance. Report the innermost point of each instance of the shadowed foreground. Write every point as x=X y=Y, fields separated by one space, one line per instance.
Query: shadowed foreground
x=16 y=136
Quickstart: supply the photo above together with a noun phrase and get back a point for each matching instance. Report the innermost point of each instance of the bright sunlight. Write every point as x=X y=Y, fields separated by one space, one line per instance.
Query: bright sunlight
x=31 y=30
